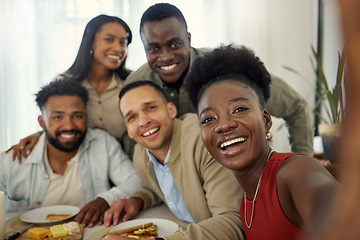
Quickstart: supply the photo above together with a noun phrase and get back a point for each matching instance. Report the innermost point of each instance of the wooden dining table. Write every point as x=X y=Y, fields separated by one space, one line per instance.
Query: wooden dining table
x=14 y=223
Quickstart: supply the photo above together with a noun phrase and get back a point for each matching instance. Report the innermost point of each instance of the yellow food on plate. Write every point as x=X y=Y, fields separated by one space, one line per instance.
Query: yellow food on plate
x=38 y=233
x=52 y=217
x=71 y=227
x=58 y=231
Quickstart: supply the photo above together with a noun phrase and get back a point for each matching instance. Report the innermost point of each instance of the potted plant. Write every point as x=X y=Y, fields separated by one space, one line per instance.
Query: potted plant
x=329 y=106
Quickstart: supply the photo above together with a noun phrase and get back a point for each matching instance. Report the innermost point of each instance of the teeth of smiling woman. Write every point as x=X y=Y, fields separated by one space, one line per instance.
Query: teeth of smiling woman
x=228 y=143
x=151 y=131
x=113 y=57
x=168 y=67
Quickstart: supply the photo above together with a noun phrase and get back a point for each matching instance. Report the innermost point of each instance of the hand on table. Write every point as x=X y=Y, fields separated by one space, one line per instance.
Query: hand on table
x=92 y=213
x=125 y=208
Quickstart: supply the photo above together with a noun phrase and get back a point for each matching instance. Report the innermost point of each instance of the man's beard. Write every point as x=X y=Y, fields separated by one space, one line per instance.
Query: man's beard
x=65 y=147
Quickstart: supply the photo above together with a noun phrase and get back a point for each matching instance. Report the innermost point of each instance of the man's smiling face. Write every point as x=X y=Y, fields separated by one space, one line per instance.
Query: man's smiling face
x=149 y=118
x=167 y=47
x=64 y=121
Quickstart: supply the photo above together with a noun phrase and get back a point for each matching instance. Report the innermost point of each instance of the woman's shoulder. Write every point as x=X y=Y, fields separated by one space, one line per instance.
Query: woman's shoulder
x=302 y=171
x=298 y=164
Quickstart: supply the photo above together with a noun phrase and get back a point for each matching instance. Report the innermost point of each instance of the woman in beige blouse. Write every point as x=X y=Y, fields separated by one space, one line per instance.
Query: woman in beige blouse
x=100 y=67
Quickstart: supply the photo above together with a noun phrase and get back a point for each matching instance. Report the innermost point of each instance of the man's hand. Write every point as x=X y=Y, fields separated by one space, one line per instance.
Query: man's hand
x=92 y=212
x=125 y=208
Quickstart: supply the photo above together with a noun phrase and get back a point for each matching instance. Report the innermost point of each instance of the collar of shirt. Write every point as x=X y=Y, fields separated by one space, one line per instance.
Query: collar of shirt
x=70 y=163
x=116 y=82
x=156 y=163
x=168 y=187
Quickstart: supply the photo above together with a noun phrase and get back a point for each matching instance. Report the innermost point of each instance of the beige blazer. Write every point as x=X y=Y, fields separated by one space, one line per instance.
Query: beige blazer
x=210 y=192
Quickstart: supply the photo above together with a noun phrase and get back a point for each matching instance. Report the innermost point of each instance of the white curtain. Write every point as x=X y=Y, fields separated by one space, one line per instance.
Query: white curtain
x=40 y=38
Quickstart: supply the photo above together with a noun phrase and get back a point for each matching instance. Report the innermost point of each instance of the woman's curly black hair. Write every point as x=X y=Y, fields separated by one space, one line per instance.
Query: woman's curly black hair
x=228 y=62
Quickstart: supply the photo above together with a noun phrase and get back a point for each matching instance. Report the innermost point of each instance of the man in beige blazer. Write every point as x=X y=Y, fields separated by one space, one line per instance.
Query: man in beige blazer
x=177 y=169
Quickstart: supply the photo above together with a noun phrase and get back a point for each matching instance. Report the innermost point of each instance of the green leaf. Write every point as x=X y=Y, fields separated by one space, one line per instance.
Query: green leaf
x=331 y=101
x=334 y=97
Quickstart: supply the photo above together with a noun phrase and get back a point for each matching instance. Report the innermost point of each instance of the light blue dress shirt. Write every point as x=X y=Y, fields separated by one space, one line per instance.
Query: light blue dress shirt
x=169 y=189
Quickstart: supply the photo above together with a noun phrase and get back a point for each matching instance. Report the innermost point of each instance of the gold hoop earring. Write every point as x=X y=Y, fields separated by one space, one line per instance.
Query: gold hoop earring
x=269 y=135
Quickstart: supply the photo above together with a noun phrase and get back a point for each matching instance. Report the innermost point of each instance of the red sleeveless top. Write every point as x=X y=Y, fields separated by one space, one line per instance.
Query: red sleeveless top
x=269 y=221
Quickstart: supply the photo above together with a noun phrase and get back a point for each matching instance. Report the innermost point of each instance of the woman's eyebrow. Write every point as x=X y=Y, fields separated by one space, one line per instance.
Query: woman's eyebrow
x=229 y=102
x=237 y=100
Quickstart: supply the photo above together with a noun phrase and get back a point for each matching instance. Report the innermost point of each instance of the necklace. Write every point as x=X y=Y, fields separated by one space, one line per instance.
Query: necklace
x=256 y=193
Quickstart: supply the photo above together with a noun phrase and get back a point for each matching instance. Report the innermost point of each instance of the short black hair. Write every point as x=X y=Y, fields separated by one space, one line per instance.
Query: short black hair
x=228 y=62
x=161 y=11
x=63 y=87
x=142 y=83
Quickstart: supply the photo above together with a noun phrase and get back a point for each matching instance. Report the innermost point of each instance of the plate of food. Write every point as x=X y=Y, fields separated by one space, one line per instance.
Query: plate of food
x=50 y=214
x=145 y=228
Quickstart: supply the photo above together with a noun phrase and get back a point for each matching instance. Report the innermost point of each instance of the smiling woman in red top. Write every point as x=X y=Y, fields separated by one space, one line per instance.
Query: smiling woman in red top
x=285 y=193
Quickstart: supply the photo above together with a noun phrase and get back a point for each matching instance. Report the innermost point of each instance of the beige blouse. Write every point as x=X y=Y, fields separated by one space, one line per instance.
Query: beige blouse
x=103 y=110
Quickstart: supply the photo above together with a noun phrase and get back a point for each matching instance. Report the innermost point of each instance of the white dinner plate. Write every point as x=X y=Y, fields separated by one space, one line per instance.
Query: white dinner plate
x=38 y=215
x=164 y=227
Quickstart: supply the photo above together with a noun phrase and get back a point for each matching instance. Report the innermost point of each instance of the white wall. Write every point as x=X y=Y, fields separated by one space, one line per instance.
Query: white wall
x=281 y=33
x=333 y=41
